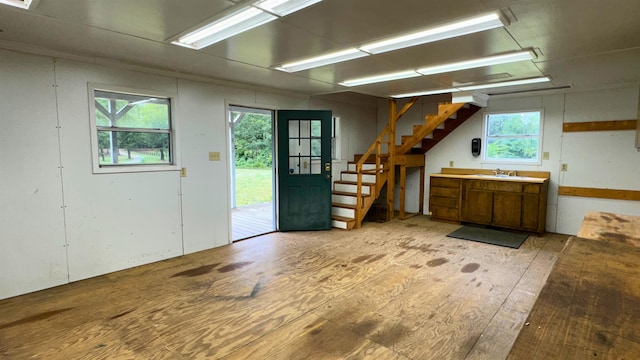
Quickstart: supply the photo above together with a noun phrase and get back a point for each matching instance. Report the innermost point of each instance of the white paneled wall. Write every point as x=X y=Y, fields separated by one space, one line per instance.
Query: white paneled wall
x=60 y=222
x=32 y=239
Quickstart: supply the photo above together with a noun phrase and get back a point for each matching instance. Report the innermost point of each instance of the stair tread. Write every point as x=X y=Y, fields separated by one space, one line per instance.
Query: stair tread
x=342 y=218
x=346 y=193
x=345 y=206
x=353 y=182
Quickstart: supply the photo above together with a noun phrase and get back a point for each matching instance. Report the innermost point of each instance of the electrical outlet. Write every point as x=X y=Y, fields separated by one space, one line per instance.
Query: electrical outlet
x=183 y=172
x=214 y=156
x=545 y=155
x=451 y=163
x=564 y=167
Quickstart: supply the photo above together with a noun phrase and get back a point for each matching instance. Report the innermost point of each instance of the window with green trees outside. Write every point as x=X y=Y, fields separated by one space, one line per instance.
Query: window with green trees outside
x=513 y=137
x=131 y=130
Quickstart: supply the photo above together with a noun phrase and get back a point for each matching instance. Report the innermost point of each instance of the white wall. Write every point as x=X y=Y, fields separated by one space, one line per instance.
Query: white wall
x=605 y=159
x=60 y=222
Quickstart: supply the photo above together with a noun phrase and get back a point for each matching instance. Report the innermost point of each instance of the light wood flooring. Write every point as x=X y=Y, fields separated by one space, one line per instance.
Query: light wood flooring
x=395 y=290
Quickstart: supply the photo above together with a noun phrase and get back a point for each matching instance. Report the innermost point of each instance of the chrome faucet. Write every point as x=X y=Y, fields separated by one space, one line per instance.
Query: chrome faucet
x=498 y=172
x=513 y=173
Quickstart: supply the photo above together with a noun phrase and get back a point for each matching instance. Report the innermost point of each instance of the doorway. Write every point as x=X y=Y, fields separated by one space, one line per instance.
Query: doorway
x=251 y=132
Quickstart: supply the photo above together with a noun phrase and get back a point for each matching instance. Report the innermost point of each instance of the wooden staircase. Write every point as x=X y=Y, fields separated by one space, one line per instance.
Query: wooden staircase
x=358 y=187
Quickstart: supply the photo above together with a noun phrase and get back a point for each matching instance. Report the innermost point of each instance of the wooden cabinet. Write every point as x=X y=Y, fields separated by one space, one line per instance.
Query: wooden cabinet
x=510 y=204
x=444 y=198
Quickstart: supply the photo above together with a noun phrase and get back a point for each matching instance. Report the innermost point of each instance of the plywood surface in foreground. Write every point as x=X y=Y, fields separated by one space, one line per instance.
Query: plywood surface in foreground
x=396 y=290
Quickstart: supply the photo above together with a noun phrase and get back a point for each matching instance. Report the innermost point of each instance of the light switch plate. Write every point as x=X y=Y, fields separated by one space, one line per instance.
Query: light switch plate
x=183 y=172
x=545 y=155
x=214 y=156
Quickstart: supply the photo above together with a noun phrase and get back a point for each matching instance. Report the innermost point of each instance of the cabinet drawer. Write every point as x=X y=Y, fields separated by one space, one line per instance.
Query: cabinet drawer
x=443 y=201
x=445 y=192
x=494 y=185
x=532 y=188
x=445 y=182
x=445 y=213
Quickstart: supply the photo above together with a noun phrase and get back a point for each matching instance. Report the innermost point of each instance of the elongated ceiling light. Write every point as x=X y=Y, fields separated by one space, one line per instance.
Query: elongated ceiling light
x=460 y=28
x=476 y=63
x=462 y=65
x=326 y=59
x=246 y=18
x=283 y=7
x=476 y=87
x=23 y=4
x=506 y=83
x=381 y=78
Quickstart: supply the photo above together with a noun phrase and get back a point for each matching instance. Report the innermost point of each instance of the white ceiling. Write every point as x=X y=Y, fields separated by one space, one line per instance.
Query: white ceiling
x=588 y=44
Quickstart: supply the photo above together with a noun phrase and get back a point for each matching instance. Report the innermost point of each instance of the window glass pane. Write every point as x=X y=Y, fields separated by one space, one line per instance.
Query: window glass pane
x=122 y=147
x=293 y=129
x=316 y=128
x=512 y=149
x=316 y=147
x=305 y=165
x=305 y=147
x=293 y=147
x=316 y=166
x=132 y=111
x=293 y=165
x=527 y=123
x=305 y=128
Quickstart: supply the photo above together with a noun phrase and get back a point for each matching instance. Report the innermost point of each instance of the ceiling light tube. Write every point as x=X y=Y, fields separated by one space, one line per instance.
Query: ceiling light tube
x=424 y=93
x=460 y=28
x=23 y=4
x=326 y=59
x=239 y=21
x=476 y=63
x=380 y=78
x=284 y=7
x=506 y=83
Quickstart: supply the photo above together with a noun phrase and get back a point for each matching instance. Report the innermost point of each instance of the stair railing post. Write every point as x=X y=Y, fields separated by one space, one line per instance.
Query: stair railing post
x=358 y=195
x=391 y=161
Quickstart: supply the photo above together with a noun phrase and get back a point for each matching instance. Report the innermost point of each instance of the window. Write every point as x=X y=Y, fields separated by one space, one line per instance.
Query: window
x=513 y=137
x=131 y=131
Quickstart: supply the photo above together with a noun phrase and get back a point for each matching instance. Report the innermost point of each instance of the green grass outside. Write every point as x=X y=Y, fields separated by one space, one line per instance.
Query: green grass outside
x=253 y=186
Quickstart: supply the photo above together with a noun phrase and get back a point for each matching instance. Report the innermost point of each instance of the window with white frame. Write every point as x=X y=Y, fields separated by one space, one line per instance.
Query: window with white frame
x=513 y=137
x=131 y=130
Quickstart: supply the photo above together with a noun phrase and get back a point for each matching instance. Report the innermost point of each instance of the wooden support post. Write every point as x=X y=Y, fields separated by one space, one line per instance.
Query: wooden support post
x=403 y=183
x=421 y=205
x=391 y=161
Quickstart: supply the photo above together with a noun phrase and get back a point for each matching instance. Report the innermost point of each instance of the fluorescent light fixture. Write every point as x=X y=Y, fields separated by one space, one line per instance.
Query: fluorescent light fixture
x=469 y=26
x=506 y=83
x=476 y=87
x=476 y=63
x=23 y=4
x=239 y=21
x=380 y=78
x=424 y=93
x=283 y=7
x=245 y=18
x=326 y=59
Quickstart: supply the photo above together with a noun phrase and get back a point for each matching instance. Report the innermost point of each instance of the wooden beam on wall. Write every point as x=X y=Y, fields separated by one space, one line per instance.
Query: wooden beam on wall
x=615 y=194
x=600 y=125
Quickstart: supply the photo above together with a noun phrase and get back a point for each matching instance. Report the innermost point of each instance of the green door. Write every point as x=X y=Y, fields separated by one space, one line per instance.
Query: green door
x=304 y=169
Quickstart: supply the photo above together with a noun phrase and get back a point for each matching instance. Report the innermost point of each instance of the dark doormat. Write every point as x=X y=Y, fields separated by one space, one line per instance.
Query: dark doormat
x=490 y=236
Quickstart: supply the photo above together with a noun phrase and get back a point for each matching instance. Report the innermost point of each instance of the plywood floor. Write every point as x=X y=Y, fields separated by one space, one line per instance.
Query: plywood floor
x=396 y=290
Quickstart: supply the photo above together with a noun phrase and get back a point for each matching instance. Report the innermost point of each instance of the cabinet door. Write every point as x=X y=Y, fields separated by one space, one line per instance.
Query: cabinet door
x=507 y=209
x=478 y=206
x=530 y=212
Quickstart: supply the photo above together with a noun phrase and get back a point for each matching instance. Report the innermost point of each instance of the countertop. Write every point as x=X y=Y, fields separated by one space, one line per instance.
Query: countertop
x=526 y=179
